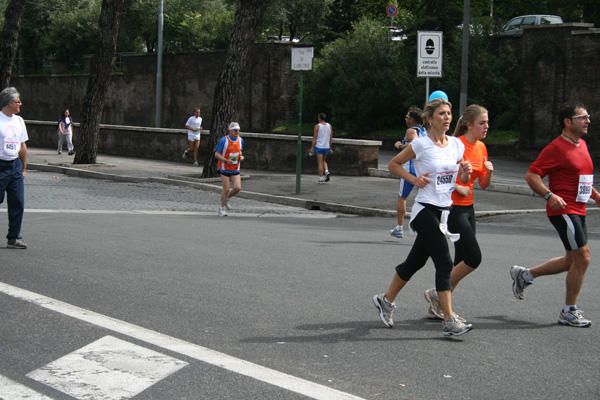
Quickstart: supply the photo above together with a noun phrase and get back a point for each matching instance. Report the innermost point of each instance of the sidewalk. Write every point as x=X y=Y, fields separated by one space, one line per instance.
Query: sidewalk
x=374 y=195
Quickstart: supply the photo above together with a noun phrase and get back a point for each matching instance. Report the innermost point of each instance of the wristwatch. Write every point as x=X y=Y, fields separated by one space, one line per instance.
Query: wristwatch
x=547 y=195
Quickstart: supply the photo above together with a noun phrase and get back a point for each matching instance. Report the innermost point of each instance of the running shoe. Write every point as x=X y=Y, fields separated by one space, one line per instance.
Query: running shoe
x=432 y=298
x=195 y=163
x=454 y=327
x=184 y=155
x=430 y=314
x=385 y=310
x=573 y=317
x=397 y=233
x=16 y=244
x=222 y=212
x=321 y=181
x=227 y=205
x=519 y=284
x=327 y=176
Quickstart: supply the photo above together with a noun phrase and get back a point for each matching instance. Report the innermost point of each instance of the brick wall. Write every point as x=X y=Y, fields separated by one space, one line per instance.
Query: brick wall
x=558 y=64
x=267 y=96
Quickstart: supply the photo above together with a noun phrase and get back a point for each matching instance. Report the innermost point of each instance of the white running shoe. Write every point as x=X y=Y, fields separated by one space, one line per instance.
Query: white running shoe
x=385 y=310
x=519 y=283
x=573 y=317
x=435 y=307
x=222 y=212
x=227 y=205
x=454 y=327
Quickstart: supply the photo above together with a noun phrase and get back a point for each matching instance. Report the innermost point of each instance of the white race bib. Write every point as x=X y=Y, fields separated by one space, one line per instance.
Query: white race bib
x=445 y=178
x=235 y=157
x=584 y=191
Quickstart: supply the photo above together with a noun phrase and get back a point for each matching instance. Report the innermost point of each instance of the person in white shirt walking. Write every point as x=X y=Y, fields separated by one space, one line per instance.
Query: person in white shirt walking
x=65 y=132
x=321 y=146
x=13 y=164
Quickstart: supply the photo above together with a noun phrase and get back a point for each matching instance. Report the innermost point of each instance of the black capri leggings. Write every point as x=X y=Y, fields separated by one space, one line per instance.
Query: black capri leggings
x=430 y=242
x=462 y=220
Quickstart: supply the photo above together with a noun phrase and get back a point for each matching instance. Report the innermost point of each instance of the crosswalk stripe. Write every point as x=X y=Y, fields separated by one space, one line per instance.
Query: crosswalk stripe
x=194 y=351
x=11 y=390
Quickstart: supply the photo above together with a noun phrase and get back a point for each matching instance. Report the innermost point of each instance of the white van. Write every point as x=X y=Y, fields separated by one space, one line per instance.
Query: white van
x=515 y=25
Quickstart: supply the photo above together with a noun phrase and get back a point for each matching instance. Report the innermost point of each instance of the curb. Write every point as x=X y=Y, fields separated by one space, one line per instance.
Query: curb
x=208 y=184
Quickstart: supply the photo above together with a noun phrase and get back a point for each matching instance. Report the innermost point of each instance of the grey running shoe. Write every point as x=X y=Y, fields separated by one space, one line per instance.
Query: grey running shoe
x=327 y=176
x=574 y=318
x=519 y=284
x=227 y=205
x=454 y=327
x=397 y=233
x=385 y=310
x=184 y=155
x=432 y=298
x=321 y=181
x=430 y=314
x=16 y=244
x=195 y=163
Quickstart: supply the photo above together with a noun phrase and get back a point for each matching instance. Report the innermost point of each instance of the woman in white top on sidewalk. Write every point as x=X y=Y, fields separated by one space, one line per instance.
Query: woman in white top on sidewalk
x=65 y=132
x=438 y=161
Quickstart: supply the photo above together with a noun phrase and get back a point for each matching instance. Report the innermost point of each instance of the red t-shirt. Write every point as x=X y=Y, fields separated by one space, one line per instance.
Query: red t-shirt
x=476 y=153
x=564 y=163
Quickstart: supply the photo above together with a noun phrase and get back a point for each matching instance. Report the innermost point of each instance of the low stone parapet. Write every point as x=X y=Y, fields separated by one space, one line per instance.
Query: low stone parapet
x=262 y=151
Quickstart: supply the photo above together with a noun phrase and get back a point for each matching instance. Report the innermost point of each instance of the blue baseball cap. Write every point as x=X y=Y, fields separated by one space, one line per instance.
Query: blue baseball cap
x=438 y=94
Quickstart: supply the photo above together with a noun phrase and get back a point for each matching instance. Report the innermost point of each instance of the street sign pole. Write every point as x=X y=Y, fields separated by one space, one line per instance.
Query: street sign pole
x=391 y=10
x=301 y=61
x=299 y=146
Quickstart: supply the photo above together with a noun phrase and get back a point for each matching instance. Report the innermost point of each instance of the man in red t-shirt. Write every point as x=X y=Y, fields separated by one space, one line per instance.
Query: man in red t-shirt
x=568 y=165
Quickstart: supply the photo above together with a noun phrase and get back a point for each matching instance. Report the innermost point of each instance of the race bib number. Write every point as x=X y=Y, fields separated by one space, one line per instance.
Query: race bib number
x=584 y=191
x=445 y=178
x=11 y=148
x=235 y=157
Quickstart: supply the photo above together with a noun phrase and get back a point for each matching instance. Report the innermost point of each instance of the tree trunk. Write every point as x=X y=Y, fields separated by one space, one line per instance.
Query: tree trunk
x=247 y=18
x=86 y=139
x=9 y=42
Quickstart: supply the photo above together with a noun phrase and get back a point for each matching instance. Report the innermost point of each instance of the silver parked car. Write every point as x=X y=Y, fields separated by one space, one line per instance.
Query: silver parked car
x=515 y=25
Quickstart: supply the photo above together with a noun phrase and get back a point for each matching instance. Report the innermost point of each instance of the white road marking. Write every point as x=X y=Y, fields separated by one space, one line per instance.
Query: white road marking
x=209 y=356
x=11 y=390
x=107 y=369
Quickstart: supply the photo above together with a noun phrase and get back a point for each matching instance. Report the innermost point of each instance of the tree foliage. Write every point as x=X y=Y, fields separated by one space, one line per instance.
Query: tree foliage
x=207 y=29
x=359 y=80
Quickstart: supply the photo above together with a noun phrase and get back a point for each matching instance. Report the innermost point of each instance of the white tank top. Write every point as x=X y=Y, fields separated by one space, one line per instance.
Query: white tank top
x=323 y=136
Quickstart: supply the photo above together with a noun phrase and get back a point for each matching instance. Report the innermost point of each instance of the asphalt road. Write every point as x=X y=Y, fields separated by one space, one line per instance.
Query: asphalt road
x=141 y=291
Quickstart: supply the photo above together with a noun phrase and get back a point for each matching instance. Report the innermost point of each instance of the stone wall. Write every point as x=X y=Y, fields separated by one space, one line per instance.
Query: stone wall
x=261 y=151
x=267 y=97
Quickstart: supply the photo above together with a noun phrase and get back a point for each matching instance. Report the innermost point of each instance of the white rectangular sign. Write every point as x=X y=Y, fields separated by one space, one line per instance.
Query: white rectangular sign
x=302 y=58
x=429 y=54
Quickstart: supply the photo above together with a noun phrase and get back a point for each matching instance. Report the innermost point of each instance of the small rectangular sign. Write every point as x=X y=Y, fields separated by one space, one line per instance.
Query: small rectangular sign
x=429 y=54
x=302 y=58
